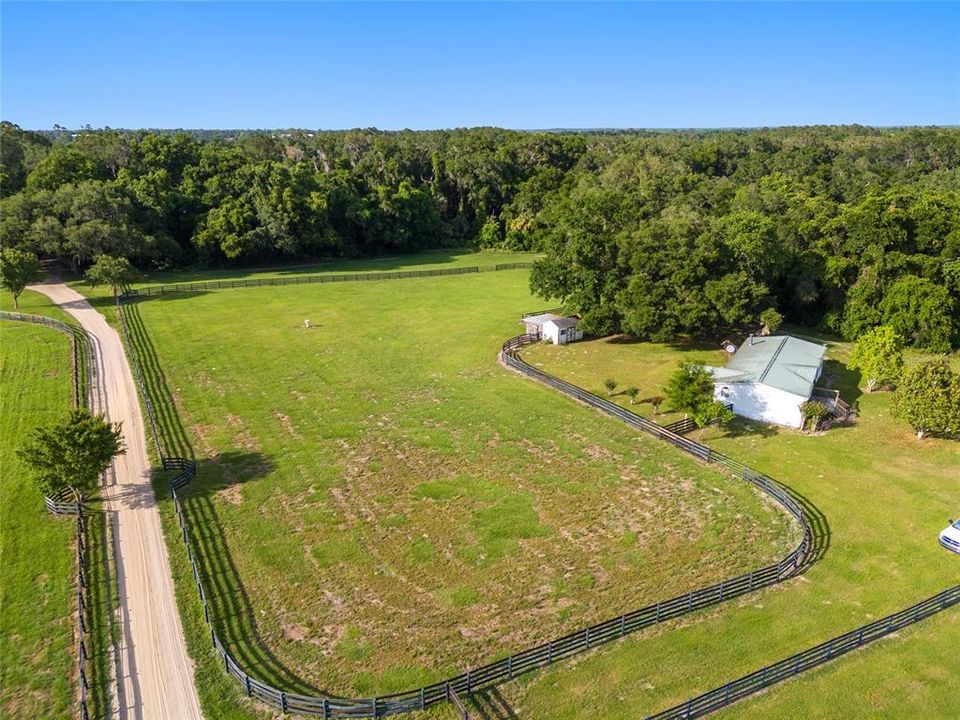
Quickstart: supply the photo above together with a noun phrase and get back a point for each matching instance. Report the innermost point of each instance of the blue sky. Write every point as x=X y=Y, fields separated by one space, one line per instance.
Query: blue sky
x=255 y=65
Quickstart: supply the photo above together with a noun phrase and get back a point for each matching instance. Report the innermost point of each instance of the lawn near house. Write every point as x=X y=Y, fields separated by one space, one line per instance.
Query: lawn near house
x=380 y=503
x=885 y=496
x=36 y=549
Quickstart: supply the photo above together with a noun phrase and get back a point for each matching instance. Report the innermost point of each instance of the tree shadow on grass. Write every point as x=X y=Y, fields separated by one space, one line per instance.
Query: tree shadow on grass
x=232 y=612
x=742 y=427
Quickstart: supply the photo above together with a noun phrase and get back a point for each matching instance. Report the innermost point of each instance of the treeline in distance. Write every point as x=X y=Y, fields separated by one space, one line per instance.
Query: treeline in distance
x=657 y=234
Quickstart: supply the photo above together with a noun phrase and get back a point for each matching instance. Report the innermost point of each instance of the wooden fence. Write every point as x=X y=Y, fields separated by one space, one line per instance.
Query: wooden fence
x=64 y=503
x=320 y=278
x=789 y=667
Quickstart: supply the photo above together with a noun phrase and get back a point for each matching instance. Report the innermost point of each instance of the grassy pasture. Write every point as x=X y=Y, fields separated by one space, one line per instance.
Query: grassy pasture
x=885 y=496
x=38 y=675
x=36 y=556
x=379 y=503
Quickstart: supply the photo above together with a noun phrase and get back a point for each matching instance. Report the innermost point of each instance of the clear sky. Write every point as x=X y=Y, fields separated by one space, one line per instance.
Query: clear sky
x=273 y=65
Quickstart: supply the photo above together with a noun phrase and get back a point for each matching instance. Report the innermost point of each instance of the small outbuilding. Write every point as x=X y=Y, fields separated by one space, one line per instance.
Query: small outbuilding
x=561 y=331
x=768 y=378
x=557 y=329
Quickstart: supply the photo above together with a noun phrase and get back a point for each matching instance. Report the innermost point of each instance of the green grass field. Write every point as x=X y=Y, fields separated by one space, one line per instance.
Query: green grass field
x=36 y=550
x=37 y=561
x=380 y=503
x=885 y=496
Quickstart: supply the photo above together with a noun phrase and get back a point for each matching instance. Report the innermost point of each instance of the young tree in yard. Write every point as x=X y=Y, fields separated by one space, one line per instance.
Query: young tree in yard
x=72 y=453
x=771 y=321
x=712 y=413
x=812 y=411
x=17 y=270
x=878 y=353
x=115 y=272
x=690 y=387
x=632 y=392
x=928 y=397
x=610 y=384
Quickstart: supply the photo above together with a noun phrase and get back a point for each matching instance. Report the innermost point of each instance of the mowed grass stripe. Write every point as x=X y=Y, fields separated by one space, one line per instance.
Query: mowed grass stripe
x=421 y=508
x=36 y=557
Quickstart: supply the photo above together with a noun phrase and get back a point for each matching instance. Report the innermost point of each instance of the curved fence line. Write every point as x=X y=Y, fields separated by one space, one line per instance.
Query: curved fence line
x=526 y=661
x=321 y=278
x=738 y=689
x=63 y=503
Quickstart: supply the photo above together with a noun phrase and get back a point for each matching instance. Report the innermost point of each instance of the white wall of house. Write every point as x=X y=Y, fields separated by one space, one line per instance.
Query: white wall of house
x=761 y=402
x=558 y=335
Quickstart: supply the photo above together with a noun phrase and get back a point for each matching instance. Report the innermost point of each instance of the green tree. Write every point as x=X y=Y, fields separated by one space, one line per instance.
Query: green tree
x=17 y=270
x=878 y=354
x=771 y=320
x=928 y=397
x=632 y=392
x=610 y=384
x=711 y=413
x=115 y=272
x=920 y=310
x=72 y=453
x=690 y=388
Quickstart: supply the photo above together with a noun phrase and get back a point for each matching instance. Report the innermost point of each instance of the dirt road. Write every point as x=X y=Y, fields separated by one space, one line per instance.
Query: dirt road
x=156 y=674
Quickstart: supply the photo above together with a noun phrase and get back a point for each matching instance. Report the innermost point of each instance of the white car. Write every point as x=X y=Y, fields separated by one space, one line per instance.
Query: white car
x=950 y=538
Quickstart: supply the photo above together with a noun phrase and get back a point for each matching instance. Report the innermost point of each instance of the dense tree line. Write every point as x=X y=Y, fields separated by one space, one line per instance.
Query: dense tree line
x=659 y=234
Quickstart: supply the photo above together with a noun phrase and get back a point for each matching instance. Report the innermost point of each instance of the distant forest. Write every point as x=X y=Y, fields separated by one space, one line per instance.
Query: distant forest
x=657 y=234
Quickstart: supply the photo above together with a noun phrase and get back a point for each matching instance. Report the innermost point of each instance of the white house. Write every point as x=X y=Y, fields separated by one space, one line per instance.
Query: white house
x=555 y=328
x=768 y=378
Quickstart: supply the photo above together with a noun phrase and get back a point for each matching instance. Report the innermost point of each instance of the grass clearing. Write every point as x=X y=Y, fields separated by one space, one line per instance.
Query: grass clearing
x=36 y=549
x=379 y=503
x=885 y=495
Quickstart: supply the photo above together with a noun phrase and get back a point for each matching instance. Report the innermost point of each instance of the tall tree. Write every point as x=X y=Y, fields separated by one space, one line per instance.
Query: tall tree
x=72 y=453
x=116 y=273
x=690 y=388
x=17 y=270
x=878 y=354
x=928 y=398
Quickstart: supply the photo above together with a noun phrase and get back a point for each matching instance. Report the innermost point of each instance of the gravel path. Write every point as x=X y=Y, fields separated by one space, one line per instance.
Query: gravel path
x=156 y=674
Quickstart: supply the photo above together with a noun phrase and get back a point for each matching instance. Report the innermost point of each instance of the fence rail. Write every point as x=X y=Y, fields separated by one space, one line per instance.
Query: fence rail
x=321 y=278
x=518 y=663
x=738 y=689
x=64 y=502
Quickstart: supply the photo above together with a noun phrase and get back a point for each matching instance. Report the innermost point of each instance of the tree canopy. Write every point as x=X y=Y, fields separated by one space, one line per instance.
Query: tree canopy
x=72 y=453
x=878 y=353
x=928 y=398
x=658 y=234
x=17 y=270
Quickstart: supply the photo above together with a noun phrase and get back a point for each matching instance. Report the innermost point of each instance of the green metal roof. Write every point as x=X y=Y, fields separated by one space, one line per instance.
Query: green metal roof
x=780 y=361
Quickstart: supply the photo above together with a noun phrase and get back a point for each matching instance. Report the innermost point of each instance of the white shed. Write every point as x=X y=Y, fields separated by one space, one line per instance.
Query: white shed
x=561 y=331
x=768 y=378
x=557 y=329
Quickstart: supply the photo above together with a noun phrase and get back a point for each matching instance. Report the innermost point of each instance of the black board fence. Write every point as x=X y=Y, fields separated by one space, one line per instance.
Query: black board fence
x=64 y=503
x=321 y=278
x=522 y=662
x=794 y=665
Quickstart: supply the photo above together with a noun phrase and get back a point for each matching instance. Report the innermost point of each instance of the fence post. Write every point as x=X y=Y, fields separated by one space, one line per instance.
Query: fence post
x=246 y=684
x=326 y=706
x=283 y=702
